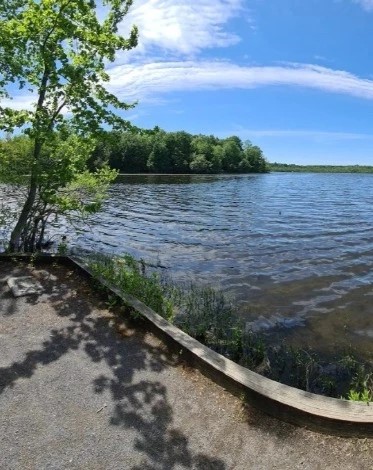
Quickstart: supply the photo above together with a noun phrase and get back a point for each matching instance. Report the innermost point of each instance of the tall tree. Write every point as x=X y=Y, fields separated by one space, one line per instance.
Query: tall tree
x=159 y=159
x=232 y=154
x=57 y=50
x=179 y=148
x=255 y=159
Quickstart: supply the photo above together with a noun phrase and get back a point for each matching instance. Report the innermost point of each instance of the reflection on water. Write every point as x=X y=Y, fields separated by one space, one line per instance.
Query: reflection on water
x=293 y=249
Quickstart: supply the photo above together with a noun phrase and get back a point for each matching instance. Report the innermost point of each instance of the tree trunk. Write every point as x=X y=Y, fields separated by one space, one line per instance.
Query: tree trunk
x=15 y=237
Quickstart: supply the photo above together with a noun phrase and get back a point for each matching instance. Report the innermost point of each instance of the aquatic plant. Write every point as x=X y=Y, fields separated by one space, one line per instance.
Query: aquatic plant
x=128 y=275
x=207 y=315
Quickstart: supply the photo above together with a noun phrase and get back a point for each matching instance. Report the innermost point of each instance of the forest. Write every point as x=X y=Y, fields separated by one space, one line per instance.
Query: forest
x=158 y=151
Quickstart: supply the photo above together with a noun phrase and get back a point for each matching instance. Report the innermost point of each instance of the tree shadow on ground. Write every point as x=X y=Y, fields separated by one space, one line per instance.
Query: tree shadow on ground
x=279 y=430
x=141 y=405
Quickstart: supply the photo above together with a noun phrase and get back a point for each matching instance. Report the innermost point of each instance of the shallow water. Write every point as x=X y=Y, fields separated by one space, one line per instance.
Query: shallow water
x=294 y=250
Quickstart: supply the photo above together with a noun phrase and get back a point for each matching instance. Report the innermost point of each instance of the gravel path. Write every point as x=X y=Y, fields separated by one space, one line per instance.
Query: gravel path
x=82 y=389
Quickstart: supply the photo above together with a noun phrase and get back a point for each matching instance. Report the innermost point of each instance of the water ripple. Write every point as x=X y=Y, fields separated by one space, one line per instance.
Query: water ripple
x=294 y=245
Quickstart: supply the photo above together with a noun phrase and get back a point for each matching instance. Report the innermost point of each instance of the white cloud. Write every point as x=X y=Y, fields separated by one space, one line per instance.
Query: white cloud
x=149 y=80
x=153 y=82
x=366 y=4
x=182 y=26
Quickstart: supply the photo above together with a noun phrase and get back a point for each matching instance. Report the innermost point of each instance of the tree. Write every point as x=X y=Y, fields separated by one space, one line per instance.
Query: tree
x=232 y=154
x=179 y=148
x=57 y=50
x=255 y=159
x=159 y=159
x=202 y=148
x=131 y=154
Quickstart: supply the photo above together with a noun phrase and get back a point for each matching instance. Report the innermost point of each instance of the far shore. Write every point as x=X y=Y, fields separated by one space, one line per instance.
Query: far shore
x=276 y=168
x=188 y=174
x=293 y=168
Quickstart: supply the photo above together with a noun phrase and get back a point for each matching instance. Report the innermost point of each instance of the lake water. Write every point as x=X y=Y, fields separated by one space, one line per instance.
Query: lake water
x=295 y=251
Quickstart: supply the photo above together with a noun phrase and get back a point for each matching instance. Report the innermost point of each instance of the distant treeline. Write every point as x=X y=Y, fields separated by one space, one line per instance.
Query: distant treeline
x=158 y=151
x=284 y=167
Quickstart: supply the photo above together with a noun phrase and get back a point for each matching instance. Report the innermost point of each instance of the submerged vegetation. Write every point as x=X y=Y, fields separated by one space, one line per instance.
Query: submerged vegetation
x=207 y=315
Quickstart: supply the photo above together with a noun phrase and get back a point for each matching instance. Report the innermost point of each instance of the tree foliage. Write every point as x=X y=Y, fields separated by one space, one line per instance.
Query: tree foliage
x=57 y=50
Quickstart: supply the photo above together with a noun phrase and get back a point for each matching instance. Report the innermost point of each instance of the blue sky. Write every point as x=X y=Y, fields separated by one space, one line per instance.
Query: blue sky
x=293 y=76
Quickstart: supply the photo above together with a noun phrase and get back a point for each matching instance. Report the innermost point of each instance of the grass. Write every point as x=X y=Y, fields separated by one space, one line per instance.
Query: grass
x=208 y=316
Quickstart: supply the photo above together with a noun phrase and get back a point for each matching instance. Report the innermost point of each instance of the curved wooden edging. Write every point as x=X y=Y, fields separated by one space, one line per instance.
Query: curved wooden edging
x=330 y=415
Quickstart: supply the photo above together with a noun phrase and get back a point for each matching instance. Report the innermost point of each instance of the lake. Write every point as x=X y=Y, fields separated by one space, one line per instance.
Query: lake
x=294 y=251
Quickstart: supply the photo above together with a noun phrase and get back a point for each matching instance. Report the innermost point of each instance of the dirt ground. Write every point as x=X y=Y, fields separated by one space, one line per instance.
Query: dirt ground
x=82 y=388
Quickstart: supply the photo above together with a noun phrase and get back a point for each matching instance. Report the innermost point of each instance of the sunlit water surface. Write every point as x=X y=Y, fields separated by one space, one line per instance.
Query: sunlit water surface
x=295 y=251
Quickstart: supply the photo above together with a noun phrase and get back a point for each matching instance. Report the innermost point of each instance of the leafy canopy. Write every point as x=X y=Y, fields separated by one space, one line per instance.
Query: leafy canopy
x=56 y=51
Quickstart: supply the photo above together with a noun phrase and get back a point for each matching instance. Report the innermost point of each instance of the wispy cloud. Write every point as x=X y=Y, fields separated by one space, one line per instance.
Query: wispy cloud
x=155 y=82
x=182 y=26
x=174 y=32
x=366 y=4
x=147 y=80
